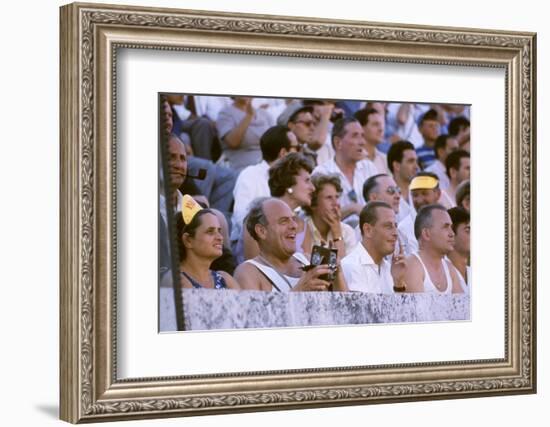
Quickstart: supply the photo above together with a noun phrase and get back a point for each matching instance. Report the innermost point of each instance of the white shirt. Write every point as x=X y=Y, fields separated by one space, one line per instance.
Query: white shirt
x=251 y=183
x=363 y=171
x=405 y=230
x=439 y=169
x=364 y=275
x=381 y=162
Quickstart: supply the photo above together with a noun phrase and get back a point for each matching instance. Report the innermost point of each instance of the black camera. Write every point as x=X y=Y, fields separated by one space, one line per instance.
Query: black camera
x=322 y=255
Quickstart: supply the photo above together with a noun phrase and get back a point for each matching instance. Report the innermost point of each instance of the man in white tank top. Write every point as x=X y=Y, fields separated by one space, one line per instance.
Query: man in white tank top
x=428 y=270
x=278 y=267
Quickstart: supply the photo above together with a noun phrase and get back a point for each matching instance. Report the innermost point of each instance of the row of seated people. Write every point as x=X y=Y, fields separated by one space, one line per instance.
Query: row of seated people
x=319 y=197
x=291 y=184
x=224 y=136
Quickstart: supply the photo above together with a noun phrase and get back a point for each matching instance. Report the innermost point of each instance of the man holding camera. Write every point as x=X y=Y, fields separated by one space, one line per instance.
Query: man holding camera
x=278 y=267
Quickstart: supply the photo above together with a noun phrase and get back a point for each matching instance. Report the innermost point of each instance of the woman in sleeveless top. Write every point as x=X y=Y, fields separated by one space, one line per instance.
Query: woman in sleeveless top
x=199 y=243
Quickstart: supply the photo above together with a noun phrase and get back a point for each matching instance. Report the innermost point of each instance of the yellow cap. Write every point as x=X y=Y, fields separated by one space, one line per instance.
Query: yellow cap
x=423 y=183
x=189 y=208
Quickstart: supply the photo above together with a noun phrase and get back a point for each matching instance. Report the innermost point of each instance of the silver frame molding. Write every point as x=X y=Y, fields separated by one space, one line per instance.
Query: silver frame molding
x=90 y=36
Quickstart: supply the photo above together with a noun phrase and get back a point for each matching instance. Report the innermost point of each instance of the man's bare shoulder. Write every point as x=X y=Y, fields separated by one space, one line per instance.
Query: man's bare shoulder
x=249 y=277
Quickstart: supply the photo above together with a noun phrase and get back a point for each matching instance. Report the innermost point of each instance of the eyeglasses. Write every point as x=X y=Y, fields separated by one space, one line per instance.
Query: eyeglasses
x=308 y=123
x=393 y=190
x=353 y=196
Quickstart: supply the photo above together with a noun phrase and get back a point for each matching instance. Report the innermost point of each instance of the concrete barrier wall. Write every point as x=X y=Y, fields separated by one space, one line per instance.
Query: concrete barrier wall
x=206 y=309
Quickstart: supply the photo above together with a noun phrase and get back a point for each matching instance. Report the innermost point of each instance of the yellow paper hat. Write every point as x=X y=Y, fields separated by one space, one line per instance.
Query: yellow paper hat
x=423 y=183
x=189 y=208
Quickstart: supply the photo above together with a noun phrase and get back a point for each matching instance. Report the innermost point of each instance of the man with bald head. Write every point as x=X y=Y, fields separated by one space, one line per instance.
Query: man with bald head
x=428 y=270
x=425 y=191
x=278 y=267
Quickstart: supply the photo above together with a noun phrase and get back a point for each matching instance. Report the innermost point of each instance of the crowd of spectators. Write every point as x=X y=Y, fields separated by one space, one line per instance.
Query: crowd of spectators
x=251 y=186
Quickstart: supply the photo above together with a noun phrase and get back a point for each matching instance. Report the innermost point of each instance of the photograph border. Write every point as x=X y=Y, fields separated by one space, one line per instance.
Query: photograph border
x=89 y=38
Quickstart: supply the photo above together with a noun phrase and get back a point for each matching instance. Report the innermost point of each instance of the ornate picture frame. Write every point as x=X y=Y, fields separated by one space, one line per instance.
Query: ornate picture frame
x=91 y=36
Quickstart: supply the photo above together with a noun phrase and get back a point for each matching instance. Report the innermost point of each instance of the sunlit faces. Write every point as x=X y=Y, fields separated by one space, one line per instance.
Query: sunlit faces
x=423 y=197
x=352 y=145
x=207 y=241
x=440 y=235
x=328 y=202
x=303 y=127
x=374 y=129
x=408 y=167
x=387 y=191
x=383 y=233
x=279 y=235
x=462 y=239
x=177 y=161
x=302 y=190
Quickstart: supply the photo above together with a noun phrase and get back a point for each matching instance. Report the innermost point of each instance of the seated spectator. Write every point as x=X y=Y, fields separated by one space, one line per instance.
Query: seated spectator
x=366 y=268
x=460 y=255
x=463 y=195
x=323 y=224
x=444 y=145
x=240 y=127
x=424 y=191
x=278 y=267
x=429 y=129
x=289 y=181
x=199 y=132
x=381 y=188
x=458 y=171
x=401 y=124
x=427 y=270
x=403 y=164
x=350 y=165
x=275 y=143
x=200 y=242
x=373 y=125
x=459 y=128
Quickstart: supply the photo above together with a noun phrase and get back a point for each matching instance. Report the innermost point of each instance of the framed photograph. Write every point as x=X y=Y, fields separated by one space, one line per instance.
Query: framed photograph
x=117 y=362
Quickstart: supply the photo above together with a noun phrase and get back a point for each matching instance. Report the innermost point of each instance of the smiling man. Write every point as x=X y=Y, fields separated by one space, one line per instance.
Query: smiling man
x=278 y=267
x=365 y=268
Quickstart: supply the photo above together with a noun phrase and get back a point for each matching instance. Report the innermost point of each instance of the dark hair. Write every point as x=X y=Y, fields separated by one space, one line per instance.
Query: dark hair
x=282 y=175
x=441 y=143
x=339 y=128
x=272 y=141
x=453 y=160
x=459 y=215
x=370 y=185
x=294 y=116
x=362 y=115
x=191 y=229
x=457 y=124
x=368 y=214
x=431 y=114
x=424 y=218
x=319 y=181
x=462 y=191
x=395 y=153
x=256 y=215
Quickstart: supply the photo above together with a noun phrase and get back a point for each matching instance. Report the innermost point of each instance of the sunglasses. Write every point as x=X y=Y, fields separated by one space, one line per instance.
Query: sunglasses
x=393 y=190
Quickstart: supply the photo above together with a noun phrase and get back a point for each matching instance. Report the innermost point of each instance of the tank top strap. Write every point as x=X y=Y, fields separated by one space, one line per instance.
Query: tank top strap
x=219 y=281
x=448 y=277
